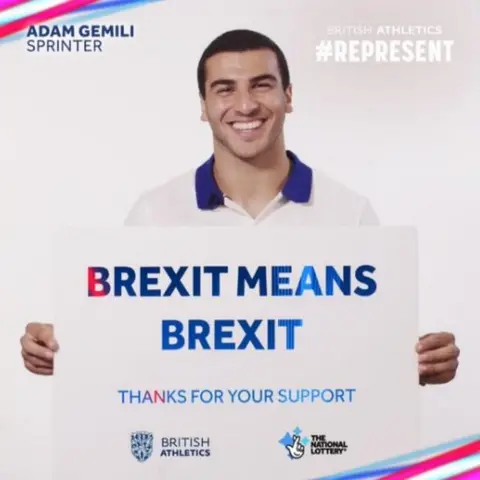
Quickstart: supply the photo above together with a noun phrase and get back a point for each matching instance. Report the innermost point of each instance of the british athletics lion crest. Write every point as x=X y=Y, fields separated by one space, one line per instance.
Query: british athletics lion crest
x=141 y=445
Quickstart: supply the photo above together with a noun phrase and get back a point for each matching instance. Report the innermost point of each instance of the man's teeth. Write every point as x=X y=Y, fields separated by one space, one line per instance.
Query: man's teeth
x=247 y=126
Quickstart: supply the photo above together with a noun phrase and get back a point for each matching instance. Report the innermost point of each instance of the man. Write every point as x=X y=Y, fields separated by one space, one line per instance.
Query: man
x=251 y=179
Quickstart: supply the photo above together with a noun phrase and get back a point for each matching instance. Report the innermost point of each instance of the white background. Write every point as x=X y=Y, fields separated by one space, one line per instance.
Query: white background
x=82 y=136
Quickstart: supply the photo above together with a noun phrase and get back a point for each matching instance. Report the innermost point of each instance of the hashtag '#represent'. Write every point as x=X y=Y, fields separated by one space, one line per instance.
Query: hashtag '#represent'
x=324 y=50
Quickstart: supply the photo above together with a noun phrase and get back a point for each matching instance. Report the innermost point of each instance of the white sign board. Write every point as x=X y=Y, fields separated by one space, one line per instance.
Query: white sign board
x=233 y=353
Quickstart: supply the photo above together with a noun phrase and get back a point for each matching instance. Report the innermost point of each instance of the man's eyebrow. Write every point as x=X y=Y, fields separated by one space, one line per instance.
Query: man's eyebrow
x=222 y=81
x=228 y=83
x=265 y=76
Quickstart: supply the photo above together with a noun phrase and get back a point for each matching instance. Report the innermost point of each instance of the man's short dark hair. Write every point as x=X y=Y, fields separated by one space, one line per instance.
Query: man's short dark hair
x=241 y=41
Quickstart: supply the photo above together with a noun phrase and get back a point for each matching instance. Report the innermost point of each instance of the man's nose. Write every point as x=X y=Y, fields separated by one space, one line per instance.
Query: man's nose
x=245 y=103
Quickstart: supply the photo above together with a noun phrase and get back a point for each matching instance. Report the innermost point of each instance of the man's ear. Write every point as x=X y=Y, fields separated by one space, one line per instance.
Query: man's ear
x=203 y=110
x=288 y=95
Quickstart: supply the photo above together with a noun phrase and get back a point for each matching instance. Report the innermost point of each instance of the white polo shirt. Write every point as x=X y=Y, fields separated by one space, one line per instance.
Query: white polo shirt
x=309 y=198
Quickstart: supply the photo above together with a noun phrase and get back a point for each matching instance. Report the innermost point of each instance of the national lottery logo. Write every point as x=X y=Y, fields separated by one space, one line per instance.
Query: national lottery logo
x=296 y=444
x=83 y=38
x=320 y=444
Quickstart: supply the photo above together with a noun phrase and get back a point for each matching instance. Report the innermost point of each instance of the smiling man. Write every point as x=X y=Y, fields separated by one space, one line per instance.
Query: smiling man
x=251 y=179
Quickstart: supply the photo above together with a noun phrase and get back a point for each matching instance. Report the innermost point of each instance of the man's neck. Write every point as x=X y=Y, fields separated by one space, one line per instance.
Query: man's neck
x=252 y=184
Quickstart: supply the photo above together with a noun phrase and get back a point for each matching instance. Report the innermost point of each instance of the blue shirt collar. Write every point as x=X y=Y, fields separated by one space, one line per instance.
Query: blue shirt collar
x=297 y=188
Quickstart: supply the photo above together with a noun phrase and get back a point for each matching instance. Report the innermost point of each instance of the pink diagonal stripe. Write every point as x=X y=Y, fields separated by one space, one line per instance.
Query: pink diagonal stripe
x=44 y=16
x=6 y=4
x=470 y=475
x=435 y=462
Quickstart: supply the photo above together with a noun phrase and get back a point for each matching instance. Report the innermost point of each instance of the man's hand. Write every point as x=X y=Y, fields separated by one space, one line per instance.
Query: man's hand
x=296 y=450
x=437 y=358
x=38 y=348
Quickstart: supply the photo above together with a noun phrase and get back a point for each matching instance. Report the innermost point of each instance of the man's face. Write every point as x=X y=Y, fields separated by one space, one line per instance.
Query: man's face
x=245 y=102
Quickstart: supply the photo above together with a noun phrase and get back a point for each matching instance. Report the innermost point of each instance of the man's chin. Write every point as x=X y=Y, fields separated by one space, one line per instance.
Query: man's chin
x=247 y=157
x=245 y=150
x=248 y=153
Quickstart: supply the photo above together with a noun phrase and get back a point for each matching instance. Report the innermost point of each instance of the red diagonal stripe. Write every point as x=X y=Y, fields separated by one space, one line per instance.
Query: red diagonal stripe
x=6 y=4
x=435 y=462
x=49 y=14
